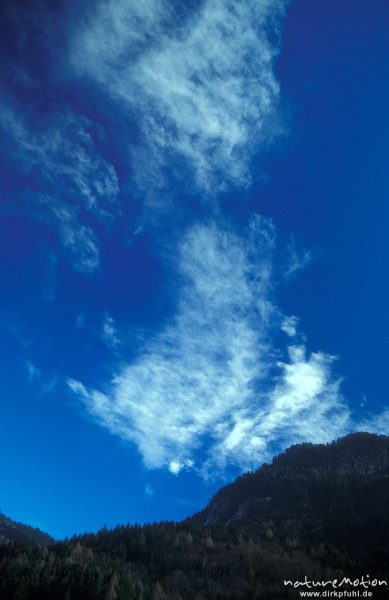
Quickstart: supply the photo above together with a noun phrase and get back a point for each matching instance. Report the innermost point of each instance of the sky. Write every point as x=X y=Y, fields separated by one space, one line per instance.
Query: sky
x=193 y=246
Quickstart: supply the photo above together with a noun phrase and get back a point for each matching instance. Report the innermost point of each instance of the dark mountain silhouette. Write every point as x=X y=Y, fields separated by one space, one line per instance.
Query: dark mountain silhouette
x=335 y=494
x=317 y=511
x=11 y=531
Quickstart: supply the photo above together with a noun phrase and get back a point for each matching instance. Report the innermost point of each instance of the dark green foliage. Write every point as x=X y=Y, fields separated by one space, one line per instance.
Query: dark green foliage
x=335 y=494
x=17 y=532
x=156 y=561
x=317 y=511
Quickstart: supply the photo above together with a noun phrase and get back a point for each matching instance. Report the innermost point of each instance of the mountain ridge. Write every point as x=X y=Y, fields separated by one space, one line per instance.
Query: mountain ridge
x=357 y=455
x=317 y=512
x=13 y=531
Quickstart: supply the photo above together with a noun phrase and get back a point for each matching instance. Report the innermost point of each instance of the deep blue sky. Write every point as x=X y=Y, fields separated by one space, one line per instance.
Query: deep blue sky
x=193 y=248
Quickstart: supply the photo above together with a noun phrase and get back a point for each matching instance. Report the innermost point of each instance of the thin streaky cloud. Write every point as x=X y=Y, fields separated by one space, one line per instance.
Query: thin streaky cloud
x=197 y=101
x=79 y=241
x=109 y=332
x=201 y=367
x=211 y=390
x=33 y=372
x=62 y=156
x=70 y=177
x=289 y=326
x=298 y=259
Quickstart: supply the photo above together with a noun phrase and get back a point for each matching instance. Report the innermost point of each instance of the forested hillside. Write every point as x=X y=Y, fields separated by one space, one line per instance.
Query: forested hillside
x=316 y=511
x=17 y=532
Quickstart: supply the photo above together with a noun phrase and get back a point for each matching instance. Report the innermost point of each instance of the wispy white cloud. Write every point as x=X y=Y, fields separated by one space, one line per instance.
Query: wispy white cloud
x=175 y=466
x=70 y=177
x=11 y=325
x=200 y=368
x=304 y=404
x=32 y=371
x=210 y=390
x=116 y=32
x=44 y=381
x=109 y=332
x=289 y=326
x=199 y=82
x=375 y=423
x=79 y=240
x=149 y=491
x=298 y=259
x=63 y=157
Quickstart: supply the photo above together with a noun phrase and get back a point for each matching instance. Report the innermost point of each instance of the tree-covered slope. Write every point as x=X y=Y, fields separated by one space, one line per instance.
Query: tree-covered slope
x=11 y=531
x=336 y=494
x=318 y=511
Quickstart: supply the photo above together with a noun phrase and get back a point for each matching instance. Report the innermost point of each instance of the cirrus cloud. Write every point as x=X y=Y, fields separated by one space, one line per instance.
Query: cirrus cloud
x=212 y=390
x=68 y=177
x=198 y=84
